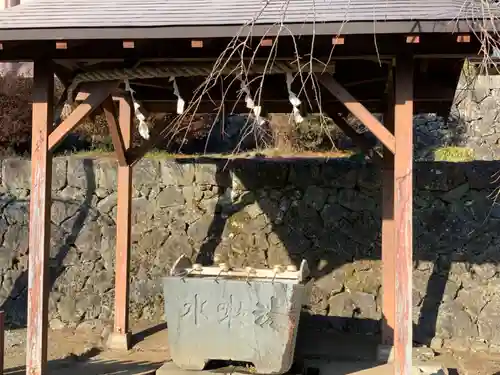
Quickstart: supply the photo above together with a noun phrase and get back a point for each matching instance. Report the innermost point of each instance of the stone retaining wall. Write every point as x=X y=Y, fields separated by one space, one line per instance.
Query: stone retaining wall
x=263 y=213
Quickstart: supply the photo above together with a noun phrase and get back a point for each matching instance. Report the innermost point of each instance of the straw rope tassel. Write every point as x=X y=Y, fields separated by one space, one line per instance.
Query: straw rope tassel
x=294 y=101
x=256 y=109
x=143 y=126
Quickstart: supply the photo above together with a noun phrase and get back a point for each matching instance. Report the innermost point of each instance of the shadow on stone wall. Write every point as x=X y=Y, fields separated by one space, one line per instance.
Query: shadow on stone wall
x=61 y=246
x=335 y=224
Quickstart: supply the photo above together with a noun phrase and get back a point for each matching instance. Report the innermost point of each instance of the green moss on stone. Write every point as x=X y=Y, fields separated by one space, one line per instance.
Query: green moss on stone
x=454 y=154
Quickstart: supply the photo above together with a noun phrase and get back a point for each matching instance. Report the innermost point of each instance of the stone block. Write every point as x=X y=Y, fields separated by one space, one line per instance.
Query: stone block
x=146 y=173
x=176 y=174
x=106 y=173
x=16 y=174
x=82 y=174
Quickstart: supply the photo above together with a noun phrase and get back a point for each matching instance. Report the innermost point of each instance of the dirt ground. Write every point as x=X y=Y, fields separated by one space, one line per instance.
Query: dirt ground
x=72 y=348
x=81 y=351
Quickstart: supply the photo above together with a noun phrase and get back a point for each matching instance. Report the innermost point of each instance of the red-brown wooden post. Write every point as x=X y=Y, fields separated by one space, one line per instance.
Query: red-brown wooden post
x=388 y=229
x=403 y=211
x=39 y=227
x=2 y=336
x=120 y=338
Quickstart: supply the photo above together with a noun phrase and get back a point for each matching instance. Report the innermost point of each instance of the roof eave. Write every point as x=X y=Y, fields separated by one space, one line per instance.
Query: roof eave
x=224 y=31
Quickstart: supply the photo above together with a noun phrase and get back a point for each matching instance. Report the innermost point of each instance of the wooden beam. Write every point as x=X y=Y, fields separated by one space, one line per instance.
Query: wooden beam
x=39 y=225
x=98 y=94
x=358 y=110
x=108 y=108
x=403 y=206
x=120 y=338
x=388 y=229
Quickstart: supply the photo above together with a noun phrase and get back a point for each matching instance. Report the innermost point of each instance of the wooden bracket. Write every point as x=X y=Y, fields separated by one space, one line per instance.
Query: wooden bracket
x=359 y=111
x=97 y=95
x=61 y=45
x=337 y=40
x=197 y=44
x=465 y=38
x=266 y=42
x=128 y=44
x=108 y=108
x=413 y=39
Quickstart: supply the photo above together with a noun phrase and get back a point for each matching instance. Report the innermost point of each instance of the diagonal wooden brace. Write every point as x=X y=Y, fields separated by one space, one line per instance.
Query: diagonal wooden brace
x=359 y=111
x=98 y=94
x=108 y=108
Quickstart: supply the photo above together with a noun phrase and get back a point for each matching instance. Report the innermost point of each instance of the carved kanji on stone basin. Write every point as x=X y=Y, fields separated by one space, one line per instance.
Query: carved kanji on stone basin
x=250 y=315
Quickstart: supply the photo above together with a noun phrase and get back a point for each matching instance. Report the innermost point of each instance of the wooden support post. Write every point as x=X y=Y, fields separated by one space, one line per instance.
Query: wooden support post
x=403 y=207
x=39 y=225
x=120 y=338
x=388 y=230
x=2 y=337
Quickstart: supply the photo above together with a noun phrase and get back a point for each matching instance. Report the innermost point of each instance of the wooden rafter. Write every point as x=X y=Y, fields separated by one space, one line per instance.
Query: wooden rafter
x=358 y=110
x=99 y=93
x=108 y=108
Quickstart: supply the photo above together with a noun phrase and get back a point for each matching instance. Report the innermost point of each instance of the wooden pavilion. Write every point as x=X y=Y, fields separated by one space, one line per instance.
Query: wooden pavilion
x=354 y=57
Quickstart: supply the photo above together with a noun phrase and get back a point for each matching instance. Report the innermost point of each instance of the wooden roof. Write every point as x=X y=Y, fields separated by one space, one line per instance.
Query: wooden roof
x=97 y=19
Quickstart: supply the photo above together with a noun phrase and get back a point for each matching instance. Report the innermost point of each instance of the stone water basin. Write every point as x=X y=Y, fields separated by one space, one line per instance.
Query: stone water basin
x=250 y=315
